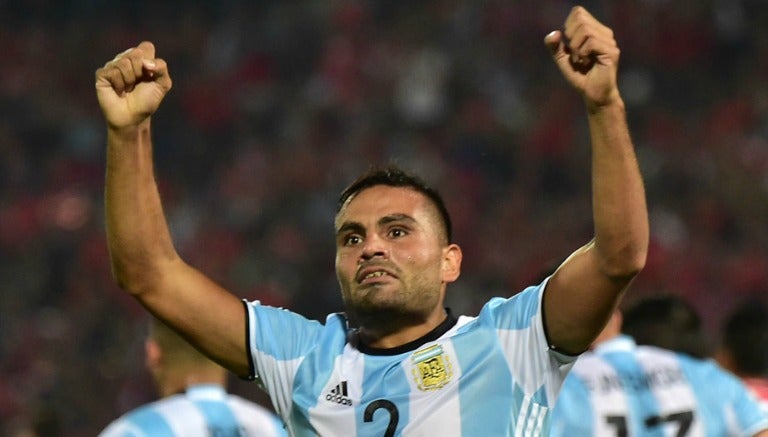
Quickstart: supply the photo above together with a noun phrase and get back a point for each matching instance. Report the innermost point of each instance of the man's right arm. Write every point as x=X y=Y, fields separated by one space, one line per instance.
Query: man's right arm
x=144 y=261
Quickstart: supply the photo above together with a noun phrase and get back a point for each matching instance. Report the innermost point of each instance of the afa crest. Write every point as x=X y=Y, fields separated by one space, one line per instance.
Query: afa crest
x=431 y=368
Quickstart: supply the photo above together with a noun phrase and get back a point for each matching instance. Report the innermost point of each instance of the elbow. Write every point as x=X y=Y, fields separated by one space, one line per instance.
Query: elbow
x=626 y=263
x=133 y=280
x=125 y=281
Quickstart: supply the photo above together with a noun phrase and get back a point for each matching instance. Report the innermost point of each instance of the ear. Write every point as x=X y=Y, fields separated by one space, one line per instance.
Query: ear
x=451 y=268
x=152 y=354
x=725 y=359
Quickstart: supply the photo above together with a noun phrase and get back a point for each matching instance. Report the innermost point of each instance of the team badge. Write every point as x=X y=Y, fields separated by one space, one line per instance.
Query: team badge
x=431 y=368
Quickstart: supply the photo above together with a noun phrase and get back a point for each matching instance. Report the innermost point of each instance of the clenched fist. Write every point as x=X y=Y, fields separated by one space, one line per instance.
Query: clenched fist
x=588 y=56
x=131 y=86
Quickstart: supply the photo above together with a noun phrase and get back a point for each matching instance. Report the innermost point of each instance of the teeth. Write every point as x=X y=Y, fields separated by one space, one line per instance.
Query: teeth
x=375 y=275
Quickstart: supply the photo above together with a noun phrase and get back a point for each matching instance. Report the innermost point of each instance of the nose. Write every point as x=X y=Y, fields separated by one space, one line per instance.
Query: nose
x=374 y=247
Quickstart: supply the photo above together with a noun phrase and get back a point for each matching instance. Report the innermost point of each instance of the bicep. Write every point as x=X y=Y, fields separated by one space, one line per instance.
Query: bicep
x=579 y=299
x=204 y=313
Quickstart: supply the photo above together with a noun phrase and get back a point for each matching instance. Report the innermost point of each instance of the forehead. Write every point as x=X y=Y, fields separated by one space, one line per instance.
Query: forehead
x=382 y=200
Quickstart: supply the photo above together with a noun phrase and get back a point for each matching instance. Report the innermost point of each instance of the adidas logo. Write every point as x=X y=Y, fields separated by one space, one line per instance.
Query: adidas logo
x=339 y=394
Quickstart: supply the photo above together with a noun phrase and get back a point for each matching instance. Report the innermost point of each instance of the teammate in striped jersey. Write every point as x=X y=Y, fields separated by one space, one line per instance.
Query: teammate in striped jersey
x=396 y=362
x=620 y=389
x=194 y=401
x=744 y=346
x=667 y=321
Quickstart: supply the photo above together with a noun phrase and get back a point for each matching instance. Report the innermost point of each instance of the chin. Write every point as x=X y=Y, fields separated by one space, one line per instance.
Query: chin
x=376 y=308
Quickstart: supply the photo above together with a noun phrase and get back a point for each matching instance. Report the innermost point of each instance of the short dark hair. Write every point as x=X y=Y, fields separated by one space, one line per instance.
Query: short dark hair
x=666 y=321
x=393 y=176
x=745 y=336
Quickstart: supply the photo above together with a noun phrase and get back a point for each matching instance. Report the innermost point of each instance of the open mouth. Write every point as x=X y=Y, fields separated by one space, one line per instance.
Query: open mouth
x=372 y=274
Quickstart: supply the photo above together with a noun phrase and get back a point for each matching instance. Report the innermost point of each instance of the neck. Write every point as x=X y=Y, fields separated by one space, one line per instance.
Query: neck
x=175 y=382
x=398 y=333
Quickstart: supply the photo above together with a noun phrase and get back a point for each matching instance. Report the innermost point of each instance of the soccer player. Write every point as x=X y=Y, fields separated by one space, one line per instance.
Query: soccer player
x=744 y=346
x=666 y=321
x=396 y=361
x=623 y=389
x=194 y=401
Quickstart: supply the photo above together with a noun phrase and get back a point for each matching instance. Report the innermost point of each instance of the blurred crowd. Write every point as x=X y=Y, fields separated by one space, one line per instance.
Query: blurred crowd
x=276 y=106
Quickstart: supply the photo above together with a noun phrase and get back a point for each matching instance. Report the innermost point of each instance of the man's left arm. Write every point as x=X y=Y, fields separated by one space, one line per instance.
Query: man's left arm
x=586 y=288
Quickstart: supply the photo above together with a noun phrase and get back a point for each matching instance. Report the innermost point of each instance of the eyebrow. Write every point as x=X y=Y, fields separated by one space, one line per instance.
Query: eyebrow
x=387 y=219
x=350 y=227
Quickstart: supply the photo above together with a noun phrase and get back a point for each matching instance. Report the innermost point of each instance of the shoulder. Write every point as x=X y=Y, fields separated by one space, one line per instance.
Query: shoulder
x=517 y=311
x=591 y=368
x=286 y=334
x=120 y=428
x=139 y=421
x=256 y=308
x=249 y=406
x=707 y=370
x=254 y=416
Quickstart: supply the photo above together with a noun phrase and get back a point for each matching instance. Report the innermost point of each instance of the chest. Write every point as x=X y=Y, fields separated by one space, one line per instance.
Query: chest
x=432 y=387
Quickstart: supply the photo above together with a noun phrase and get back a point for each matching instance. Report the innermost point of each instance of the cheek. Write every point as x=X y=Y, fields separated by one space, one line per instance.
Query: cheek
x=422 y=256
x=422 y=265
x=343 y=279
x=345 y=265
x=342 y=254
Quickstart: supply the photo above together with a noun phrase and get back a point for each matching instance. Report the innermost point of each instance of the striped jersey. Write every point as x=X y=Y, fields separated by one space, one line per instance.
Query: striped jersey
x=202 y=411
x=489 y=375
x=759 y=388
x=621 y=389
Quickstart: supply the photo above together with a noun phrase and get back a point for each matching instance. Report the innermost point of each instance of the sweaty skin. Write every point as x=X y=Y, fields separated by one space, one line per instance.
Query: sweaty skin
x=417 y=266
x=393 y=265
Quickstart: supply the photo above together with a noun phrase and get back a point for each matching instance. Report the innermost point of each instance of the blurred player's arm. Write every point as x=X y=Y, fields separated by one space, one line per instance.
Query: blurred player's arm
x=145 y=263
x=586 y=288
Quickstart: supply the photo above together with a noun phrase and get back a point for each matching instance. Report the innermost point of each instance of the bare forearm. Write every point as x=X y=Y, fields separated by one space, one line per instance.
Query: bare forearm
x=137 y=233
x=619 y=207
x=130 y=89
x=584 y=291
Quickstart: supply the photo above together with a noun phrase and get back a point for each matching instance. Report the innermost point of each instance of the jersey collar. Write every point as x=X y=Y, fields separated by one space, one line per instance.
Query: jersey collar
x=442 y=328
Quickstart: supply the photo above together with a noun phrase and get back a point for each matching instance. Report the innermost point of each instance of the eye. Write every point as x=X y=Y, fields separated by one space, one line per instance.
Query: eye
x=352 y=240
x=397 y=232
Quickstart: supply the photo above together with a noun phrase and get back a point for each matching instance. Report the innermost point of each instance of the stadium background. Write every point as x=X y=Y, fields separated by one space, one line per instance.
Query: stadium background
x=277 y=105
